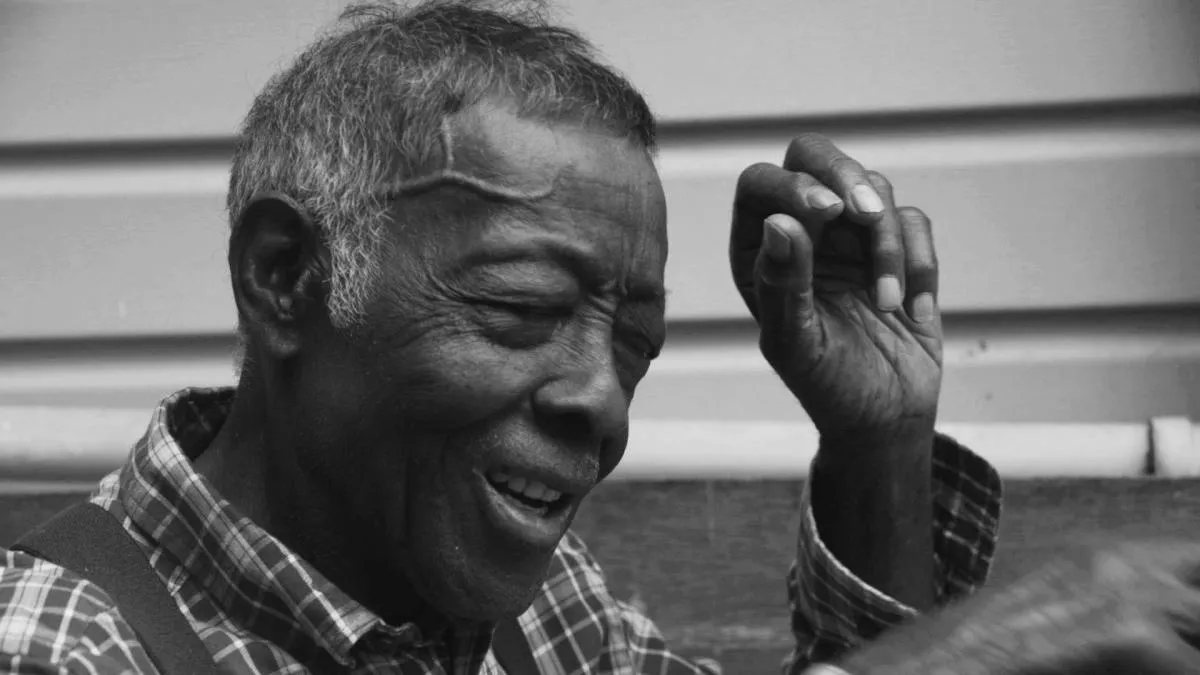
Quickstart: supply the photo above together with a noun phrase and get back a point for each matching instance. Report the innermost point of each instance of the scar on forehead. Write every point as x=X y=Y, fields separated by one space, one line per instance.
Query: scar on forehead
x=448 y=174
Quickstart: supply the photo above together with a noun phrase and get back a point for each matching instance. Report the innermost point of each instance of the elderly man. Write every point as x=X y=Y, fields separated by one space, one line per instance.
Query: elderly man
x=447 y=253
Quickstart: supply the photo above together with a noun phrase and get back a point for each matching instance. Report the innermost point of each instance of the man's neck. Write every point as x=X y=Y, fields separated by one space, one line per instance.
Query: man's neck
x=251 y=463
x=235 y=461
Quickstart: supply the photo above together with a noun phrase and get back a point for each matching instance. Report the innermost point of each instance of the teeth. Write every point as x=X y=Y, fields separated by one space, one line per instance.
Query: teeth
x=529 y=488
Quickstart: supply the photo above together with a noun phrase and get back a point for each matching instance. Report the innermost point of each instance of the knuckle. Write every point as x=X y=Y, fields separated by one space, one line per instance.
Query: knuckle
x=888 y=235
x=879 y=182
x=798 y=183
x=888 y=250
x=752 y=172
x=802 y=146
x=846 y=167
x=922 y=266
x=752 y=182
x=912 y=215
x=805 y=139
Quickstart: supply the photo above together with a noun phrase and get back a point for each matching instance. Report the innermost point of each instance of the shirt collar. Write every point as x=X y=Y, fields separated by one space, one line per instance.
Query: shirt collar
x=251 y=575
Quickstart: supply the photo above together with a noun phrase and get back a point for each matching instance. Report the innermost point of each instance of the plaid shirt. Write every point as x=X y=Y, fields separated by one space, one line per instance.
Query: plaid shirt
x=260 y=608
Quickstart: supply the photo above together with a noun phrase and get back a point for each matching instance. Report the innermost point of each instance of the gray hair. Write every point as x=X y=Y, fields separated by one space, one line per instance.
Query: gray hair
x=361 y=111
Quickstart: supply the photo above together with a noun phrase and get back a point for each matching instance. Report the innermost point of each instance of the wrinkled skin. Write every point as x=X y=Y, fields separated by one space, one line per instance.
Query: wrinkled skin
x=1128 y=609
x=848 y=311
x=506 y=335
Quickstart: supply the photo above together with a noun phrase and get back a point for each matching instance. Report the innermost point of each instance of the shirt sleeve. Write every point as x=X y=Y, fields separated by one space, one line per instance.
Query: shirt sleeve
x=832 y=610
x=54 y=623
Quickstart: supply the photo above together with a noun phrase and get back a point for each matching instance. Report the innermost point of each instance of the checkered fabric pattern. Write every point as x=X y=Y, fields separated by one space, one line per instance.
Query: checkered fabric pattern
x=261 y=609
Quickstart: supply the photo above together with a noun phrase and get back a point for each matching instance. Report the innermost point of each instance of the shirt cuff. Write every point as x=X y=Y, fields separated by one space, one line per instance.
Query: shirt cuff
x=833 y=610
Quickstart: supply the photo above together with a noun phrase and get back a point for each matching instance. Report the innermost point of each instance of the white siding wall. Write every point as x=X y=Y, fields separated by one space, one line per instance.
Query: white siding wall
x=1055 y=145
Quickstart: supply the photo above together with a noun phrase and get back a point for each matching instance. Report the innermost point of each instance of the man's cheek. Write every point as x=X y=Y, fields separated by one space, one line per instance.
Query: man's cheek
x=462 y=379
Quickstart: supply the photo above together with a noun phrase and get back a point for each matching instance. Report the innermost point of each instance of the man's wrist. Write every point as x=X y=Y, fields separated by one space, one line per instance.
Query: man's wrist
x=912 y=437
x=871 y=496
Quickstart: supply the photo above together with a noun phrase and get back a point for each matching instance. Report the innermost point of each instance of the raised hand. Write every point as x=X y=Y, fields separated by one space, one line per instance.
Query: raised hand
x=844 y=287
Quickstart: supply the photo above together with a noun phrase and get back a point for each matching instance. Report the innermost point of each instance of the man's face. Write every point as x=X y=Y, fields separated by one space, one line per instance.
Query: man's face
x=489 y=391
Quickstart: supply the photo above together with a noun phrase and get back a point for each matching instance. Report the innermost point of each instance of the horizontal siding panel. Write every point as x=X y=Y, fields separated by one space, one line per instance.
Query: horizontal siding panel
x=778 y=58
x=1059 y=367
x=169 y=70
x=47 y=443
x=1022 y=219
x=112 y=265
x=1078 y=367
x=1066 y=214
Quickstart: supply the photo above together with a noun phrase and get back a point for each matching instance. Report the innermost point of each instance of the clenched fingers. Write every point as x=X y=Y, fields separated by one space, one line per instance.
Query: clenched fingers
x=762 y=191
x=817 y=185
x=871 y=203
x=816 y=155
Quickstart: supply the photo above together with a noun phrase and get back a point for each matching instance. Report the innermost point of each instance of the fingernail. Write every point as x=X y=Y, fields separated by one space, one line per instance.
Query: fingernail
x=866 y=200
x=775 y=242
x=887 y=293
x=922 y=308
x=822 y=199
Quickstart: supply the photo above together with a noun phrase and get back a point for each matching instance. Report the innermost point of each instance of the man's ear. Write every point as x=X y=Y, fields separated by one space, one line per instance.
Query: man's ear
x=278 y=266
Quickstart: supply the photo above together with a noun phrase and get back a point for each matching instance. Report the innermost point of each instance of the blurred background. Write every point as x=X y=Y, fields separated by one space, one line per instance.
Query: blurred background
x=1055 y=145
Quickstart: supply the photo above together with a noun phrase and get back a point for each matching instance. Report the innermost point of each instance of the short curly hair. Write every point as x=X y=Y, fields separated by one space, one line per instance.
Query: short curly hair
x=361 y=109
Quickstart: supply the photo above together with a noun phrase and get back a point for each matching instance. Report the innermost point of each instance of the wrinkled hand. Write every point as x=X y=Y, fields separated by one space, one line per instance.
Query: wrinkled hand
x=844 y=287
x=1128 y=609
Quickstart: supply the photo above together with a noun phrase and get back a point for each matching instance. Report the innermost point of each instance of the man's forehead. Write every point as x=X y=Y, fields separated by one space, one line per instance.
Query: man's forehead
x=492 y=143
x=558 y=183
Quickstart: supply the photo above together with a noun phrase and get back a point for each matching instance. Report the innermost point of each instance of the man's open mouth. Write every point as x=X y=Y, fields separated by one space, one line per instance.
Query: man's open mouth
x=528 y=493
x=532 y=506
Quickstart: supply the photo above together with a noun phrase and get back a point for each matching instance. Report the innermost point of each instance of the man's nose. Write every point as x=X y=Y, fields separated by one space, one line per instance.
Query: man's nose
x=585 y=402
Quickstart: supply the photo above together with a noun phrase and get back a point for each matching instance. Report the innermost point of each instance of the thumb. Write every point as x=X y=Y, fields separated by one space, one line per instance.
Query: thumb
x=783 y=283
